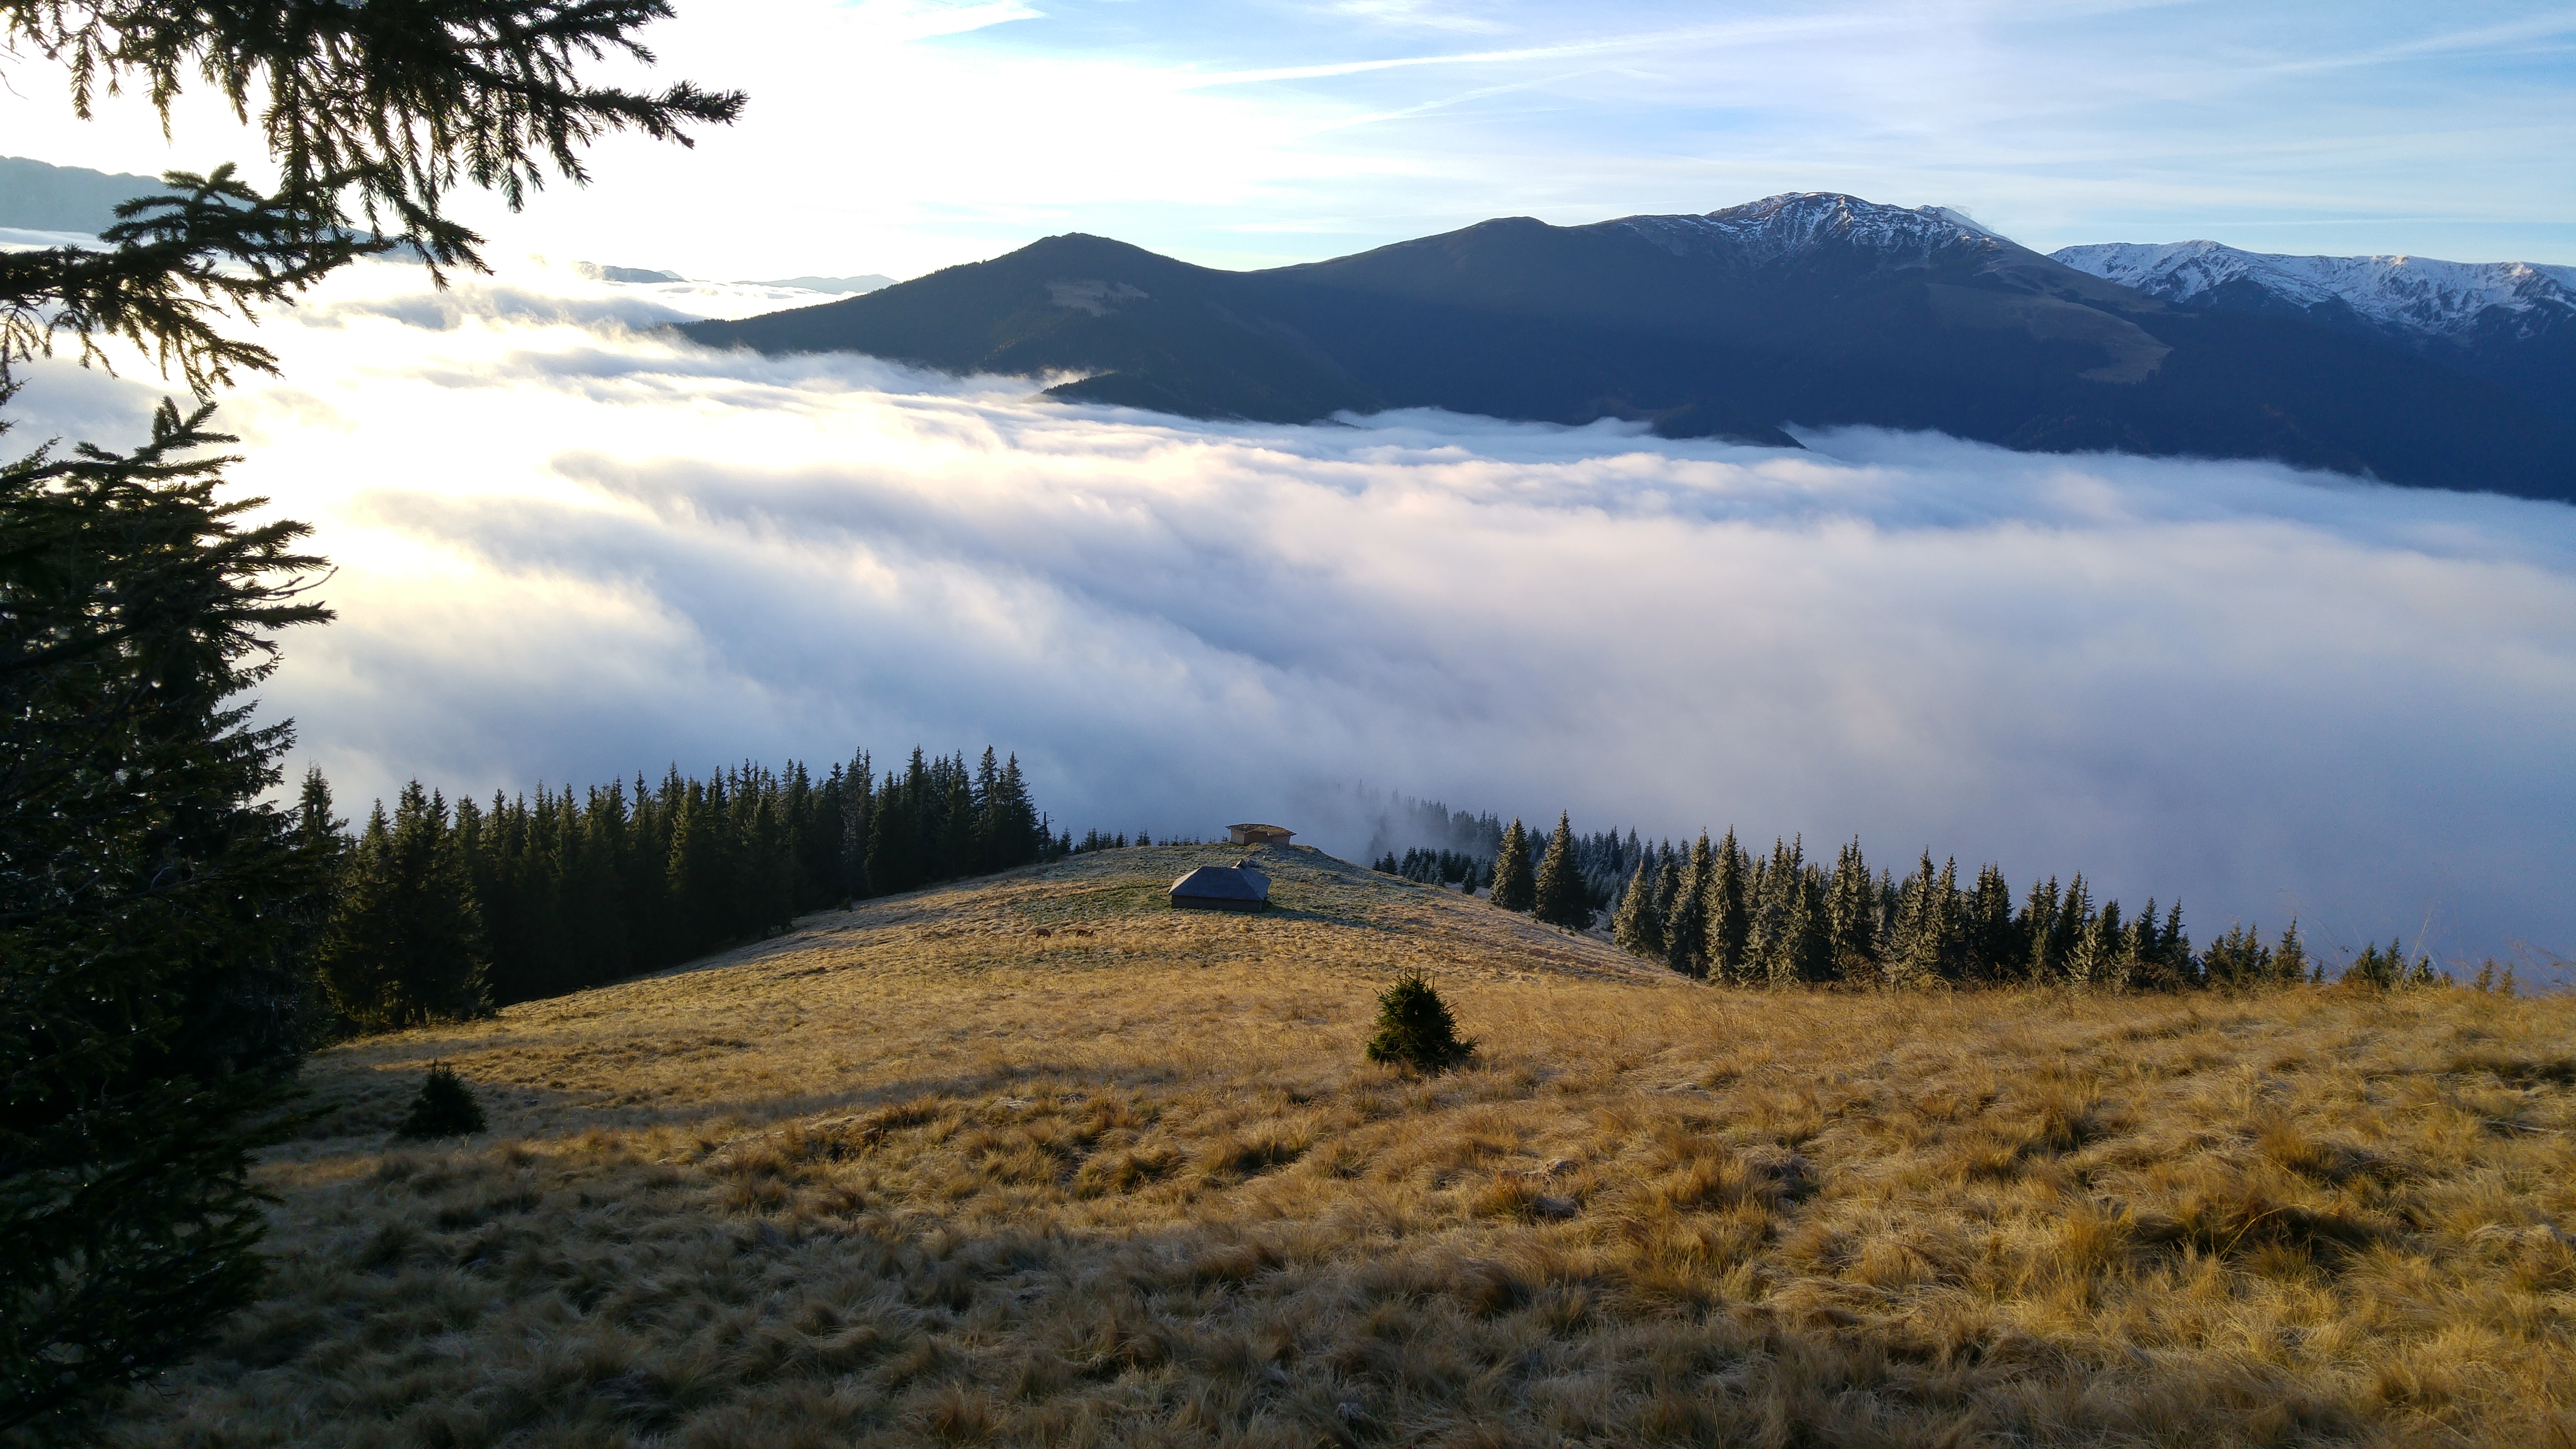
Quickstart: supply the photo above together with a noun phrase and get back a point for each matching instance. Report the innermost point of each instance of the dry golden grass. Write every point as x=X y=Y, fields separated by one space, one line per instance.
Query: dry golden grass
x=1038 y=1160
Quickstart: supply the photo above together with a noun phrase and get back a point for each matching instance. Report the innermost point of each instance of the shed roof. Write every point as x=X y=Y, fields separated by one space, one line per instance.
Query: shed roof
x=1224 y=883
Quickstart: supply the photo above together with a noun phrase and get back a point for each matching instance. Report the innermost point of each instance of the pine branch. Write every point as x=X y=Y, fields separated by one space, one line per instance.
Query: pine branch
x=392 y=104
x=175 y=264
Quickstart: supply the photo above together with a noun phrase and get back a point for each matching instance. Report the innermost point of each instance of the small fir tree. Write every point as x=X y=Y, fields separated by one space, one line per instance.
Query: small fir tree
x=444 y=1108
x=1415 y=1029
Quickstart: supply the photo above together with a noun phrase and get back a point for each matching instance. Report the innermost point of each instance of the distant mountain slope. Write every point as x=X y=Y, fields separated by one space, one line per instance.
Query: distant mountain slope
x=2511 y=322
x=868 y=283
x=1811 y=309
x=42 y=197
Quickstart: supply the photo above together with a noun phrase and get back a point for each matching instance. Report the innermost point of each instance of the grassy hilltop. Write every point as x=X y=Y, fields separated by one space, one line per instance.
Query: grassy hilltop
x=1037 y=1159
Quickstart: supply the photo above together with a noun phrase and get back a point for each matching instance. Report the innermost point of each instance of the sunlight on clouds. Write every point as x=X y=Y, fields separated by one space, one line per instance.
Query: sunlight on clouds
x=569 y=549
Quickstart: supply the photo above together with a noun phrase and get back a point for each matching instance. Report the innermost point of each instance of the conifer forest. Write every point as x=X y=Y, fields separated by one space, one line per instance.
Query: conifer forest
x=1718 y=912
x=443 y=910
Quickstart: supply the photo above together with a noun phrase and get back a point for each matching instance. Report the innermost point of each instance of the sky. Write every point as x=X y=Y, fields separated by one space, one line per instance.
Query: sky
x=899 y=136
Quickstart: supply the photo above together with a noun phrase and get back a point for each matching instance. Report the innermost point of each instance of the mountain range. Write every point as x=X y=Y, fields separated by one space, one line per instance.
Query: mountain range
x=1805 y=310
x=2512 y=322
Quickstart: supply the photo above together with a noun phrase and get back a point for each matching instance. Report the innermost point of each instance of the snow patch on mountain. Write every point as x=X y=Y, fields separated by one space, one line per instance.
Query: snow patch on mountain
x=2412 y=294
x=1794 y=224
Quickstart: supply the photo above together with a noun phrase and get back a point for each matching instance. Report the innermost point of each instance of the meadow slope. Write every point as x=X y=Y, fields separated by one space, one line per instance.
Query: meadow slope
x=1039 y=1160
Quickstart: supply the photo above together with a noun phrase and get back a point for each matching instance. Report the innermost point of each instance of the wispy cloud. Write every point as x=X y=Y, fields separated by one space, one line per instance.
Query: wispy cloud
x=1691 y=37
x=2269 y=692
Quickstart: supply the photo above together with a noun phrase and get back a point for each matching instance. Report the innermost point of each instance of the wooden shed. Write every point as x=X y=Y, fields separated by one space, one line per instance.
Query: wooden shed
x=1236 y=887
x=1257 y=834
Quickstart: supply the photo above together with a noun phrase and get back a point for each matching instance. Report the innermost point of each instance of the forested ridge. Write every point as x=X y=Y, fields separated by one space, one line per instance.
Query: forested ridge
x=443 y=911
x=1719 y=912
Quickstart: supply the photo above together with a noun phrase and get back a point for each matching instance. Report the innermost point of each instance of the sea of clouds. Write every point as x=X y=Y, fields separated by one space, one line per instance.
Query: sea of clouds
x=569 y=547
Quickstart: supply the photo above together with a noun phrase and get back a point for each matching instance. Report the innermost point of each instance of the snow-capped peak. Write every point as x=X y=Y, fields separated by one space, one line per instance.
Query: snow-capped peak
x=2413 y=294
x=1795 y=223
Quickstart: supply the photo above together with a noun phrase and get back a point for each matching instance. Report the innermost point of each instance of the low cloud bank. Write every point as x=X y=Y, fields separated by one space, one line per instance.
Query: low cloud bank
x=569 y=548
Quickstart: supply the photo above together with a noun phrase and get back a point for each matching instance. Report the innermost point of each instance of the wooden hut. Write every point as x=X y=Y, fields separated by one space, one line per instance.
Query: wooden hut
x=1257 y=834
x=1236 y=887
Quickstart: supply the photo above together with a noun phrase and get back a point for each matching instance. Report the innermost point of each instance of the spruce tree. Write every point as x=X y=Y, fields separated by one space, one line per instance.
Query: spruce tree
x=321 y=841
x=2163 y=951
x=894 y=859
x=700 y=873
x=2135 y=962
x=1993 y=952
x=2238 y=961
x=405 y=944
x=1559 y=897
x=1515 y=880
x=1773 y=901
x=1686 y=922
x=954 y=843
x=858 y=806
x=594 y=897
x=1851 y=911
x=1804 y=954
x=1668 y=886
x=2290 y=958
x=2095 y=959
x=1727 y=914
x=1013 y=826
x=2066 y=929
x=769 y=879
x=1637 y=926
x=1930 y=936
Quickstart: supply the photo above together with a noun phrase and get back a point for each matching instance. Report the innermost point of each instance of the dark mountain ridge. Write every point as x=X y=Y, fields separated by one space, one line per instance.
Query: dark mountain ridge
x=1806 y=310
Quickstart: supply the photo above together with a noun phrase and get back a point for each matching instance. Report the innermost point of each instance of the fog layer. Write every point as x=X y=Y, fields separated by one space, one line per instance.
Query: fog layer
x=567 y=549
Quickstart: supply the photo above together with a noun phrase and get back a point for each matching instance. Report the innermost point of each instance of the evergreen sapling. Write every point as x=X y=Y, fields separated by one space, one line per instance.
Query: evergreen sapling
x=1415 y=1029
x=444 y=1108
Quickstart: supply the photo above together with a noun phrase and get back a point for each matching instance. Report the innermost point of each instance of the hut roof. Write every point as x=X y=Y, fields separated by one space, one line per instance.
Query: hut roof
x=1224 y=883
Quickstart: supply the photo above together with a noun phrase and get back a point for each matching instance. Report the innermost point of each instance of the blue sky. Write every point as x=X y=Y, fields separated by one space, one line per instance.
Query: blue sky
x=899 y=136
